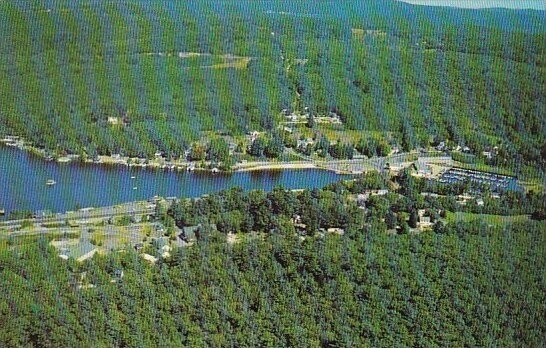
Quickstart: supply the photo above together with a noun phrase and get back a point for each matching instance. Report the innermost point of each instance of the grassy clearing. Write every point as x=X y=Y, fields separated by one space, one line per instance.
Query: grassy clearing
x=486 y=168
x=25 y=239
x=497 y=220
x=339 y=132
x=536 y=185
x=240 y=63
x=98 y=238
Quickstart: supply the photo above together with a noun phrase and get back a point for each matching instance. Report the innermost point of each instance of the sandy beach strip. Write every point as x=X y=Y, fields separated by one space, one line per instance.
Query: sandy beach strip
x=278 y=166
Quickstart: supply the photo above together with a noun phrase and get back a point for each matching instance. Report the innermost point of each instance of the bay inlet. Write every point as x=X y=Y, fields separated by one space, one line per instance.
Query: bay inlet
x=24 y=178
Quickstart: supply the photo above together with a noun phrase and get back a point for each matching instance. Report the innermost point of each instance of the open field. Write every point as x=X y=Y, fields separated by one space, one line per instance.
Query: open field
x=496 y=220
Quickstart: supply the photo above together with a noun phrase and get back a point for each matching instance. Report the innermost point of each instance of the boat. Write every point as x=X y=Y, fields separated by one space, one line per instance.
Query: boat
x=51 y=182
x=134 y=188
x=2 y=212
x=133 y=177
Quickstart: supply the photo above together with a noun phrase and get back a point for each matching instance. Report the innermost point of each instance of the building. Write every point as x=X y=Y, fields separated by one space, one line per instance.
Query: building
x=424 y=220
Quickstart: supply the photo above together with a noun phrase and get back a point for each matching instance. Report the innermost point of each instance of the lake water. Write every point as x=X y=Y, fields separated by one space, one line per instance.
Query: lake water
x=23 y=183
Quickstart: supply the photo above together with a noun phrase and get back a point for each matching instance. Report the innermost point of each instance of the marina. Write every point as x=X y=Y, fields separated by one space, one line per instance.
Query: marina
x=495 y=182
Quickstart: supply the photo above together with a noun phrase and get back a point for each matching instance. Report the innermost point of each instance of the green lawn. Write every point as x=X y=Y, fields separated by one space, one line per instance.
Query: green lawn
x=490 y=219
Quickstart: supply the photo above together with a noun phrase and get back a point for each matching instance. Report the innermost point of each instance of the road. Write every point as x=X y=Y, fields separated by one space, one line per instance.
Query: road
x=133 y=208
x=343 y=166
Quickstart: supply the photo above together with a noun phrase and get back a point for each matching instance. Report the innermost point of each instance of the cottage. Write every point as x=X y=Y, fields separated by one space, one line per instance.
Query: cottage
x=381 y=192
x=361 y=199
x=118 y=273
x=424 y=219
x=301 y=228
x=160 y=242
x=113 y=121
x=305 y=142
x=487 y=154
x=338 y=231
x=254 y=135
x=149 y=258
x=165 y=251
x=189 y=234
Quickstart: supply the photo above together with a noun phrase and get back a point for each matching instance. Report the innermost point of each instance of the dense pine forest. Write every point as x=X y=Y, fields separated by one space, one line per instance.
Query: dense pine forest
x=137 y=77
x=375 y=281
x=474 y=288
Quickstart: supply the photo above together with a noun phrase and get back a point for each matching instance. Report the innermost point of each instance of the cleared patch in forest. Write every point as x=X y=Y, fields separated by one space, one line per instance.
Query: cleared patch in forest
x=496 y=220
x=209 y=60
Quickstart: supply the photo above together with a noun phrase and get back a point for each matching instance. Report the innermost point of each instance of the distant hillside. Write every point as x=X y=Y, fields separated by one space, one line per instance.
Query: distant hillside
x=472 y=77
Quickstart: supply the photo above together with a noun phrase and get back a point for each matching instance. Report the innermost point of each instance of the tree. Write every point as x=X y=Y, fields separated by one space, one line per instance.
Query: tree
x=218 y=150
x=257 y=147
x=413 y=218
x=260 y=209
x=391 y=220
x=197 y=152
x=311 y=121
x=274 y=147
x=230 y=222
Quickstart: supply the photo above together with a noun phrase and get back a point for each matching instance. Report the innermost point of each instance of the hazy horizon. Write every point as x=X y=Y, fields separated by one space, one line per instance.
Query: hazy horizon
x=522 y=4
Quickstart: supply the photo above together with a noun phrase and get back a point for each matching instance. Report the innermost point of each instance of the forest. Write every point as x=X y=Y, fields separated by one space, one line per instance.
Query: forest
x=138 y=77
x=297 y=268
x=375 y=261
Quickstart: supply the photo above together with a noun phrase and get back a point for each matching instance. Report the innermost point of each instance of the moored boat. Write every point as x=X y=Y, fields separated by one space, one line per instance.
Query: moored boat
x=51 y=182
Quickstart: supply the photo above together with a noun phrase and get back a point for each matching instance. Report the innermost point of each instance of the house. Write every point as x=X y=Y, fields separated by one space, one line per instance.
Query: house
x=118 y=273
x=301 y=228
x=114 y=121
x=254 y=135
x=189 y=234
x=380 y=192
x=291 y=117
x=338 y=231
x=361 y=199
x=305 y=142
x=487 y=154
x=423 y=168
x=149 y=258
x=480 y=202
x=424 y=220
x=42 y=214
x=160 y=242
x=165 y=251
x=462 y=199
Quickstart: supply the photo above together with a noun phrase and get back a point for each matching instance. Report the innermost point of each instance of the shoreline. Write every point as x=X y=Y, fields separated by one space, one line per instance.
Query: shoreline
x=162 y=164
x=278 y=166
